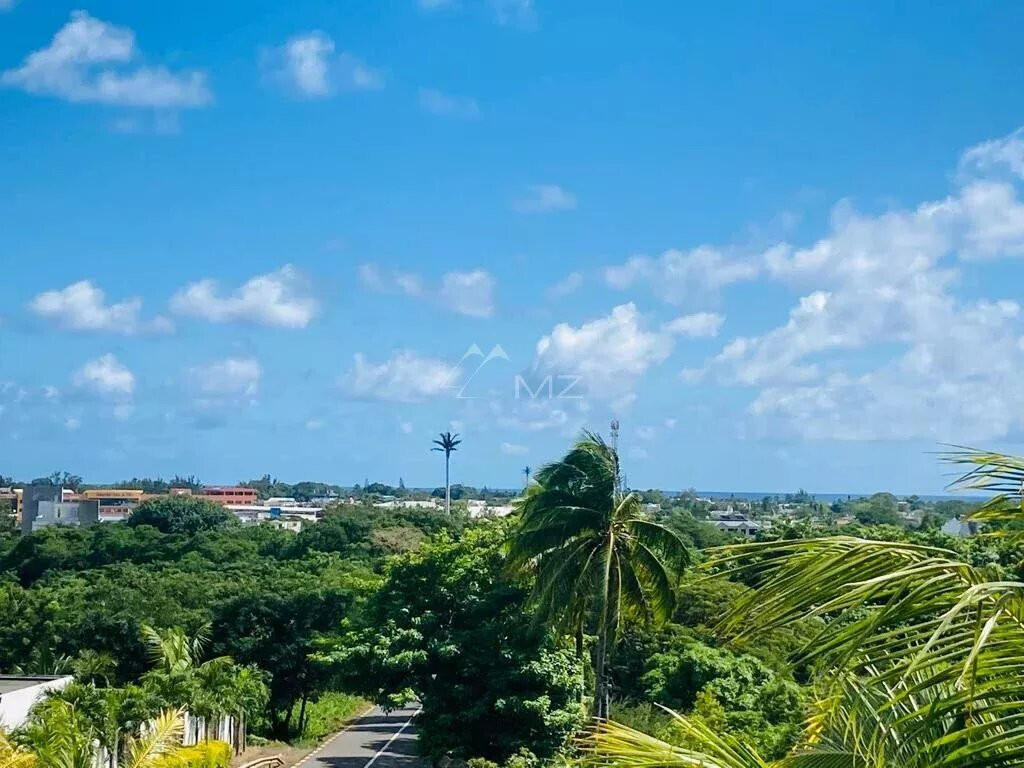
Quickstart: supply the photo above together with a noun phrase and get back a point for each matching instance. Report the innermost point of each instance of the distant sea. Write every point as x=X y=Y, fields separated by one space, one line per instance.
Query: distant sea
x=827 y=497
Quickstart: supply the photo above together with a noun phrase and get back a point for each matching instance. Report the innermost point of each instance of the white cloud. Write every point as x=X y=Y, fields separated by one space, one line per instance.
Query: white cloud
x=90 y=60
x=683 y=277
x=544 y=198
x=879 y=346
x=405 y=427
x=609 y=355
x=314 y=424
x=447 y=105
x=697 y=325
x=514 y=449
x=646 y=432
x=105 y=376
x=527 y=414
x=231 y=376
x=275 y=299
x=405 y=377
x=566 y=286
x=465 y=293
x=82 y=306
x=71 y=424
x=308 y=65
x=468 y=293
x=1006 y=153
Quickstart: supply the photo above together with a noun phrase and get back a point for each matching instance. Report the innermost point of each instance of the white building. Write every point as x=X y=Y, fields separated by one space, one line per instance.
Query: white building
x=19 y=693
x=480 y=508
x=409 y=504
x=294 y=515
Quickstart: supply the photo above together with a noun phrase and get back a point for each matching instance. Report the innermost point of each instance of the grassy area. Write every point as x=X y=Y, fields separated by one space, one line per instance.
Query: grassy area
x=328 y=715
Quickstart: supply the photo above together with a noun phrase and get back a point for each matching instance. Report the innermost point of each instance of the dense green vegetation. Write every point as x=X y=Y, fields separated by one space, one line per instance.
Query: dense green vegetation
x=510 y=633
x=70 y=596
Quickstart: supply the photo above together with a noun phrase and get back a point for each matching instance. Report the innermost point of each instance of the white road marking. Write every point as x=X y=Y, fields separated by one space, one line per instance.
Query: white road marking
x=396 y=734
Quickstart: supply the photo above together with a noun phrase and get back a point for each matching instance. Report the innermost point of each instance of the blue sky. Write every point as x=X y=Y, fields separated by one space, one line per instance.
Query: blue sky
x=781 y=244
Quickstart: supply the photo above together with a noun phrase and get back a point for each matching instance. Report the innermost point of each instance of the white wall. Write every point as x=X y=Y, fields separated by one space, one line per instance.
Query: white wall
x=15 y=706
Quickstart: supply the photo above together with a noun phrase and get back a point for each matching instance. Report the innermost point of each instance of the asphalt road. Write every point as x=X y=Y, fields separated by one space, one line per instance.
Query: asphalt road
x=375 y=740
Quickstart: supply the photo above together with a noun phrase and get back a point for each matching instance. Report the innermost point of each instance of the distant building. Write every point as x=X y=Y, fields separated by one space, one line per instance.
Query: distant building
x=222 y=494
x=481 y=508
x=960 y=528
x=19 y=693
x=742 y=527
x=81 y=513
x=394 y=503
x=13 y=497
x=253 y=514
x=31 y=496
x=115 y=505
x=726 y=514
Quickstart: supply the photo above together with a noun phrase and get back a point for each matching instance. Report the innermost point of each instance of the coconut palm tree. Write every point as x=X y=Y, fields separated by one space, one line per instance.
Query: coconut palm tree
x=597 y=558
x=526 y=474
x=920 y=653
x=447 y=442
x=172 y=651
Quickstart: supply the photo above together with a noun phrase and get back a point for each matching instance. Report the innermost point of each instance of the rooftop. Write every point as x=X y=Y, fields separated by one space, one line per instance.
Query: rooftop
x=11 y=683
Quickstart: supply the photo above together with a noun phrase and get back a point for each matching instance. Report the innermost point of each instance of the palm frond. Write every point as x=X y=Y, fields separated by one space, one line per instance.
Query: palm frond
x=612 y=745
x=997 y=473
x=160 y=740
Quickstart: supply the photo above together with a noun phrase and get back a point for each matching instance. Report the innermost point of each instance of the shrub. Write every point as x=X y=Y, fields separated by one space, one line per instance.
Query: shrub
x=205 y=754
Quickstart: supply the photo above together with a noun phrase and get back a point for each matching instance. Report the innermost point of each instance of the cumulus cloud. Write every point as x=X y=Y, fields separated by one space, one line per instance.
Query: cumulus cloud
x=447 y=105
x=279 y=299
x=545 y=198
x=468 y=293
x=82 y=306
x=308 y=65
x=231 y=376
x=514 y=449
x=90 y=60
x=105 y=376
x=879 y=346
x=405 y=377
x=683 y=277
x=606 y=357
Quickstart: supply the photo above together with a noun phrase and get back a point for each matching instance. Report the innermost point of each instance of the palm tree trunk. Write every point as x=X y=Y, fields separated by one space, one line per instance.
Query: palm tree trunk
x=601 y=695
x=579 y=660
x=447 y=486
x=302 y=716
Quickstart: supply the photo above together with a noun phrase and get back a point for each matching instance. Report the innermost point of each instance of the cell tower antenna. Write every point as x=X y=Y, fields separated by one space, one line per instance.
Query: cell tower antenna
x=615 y=454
